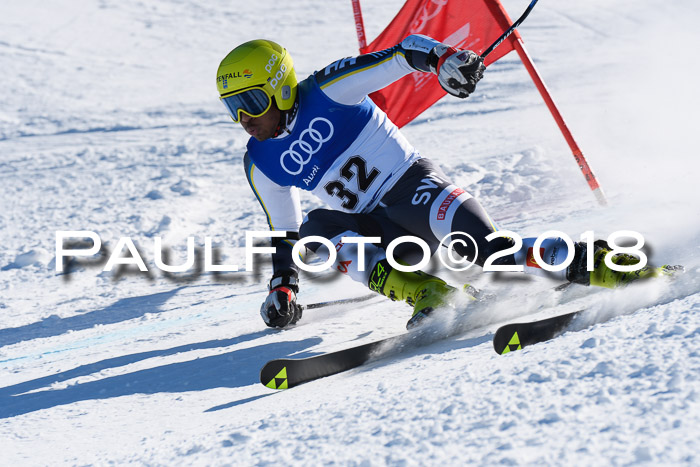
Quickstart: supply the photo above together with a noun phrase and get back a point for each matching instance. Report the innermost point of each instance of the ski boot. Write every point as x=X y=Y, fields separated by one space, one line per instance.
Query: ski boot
x=603 y=276
x=423 y=292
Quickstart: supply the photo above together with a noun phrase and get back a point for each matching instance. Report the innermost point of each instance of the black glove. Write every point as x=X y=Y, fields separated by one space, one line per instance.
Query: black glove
x=280 y=308
x=458 y=71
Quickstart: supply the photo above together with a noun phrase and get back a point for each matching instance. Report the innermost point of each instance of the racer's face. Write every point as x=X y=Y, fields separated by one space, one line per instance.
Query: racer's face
x=264 y=126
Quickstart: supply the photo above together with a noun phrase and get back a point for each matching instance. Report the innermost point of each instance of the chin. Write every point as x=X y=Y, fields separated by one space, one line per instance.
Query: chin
x=262 y=137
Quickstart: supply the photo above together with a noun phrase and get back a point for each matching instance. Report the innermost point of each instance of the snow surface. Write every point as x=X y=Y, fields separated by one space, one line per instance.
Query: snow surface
x=110 y=122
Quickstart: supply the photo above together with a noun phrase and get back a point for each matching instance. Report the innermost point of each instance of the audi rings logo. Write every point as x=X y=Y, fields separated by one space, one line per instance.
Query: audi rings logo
x=309 y=143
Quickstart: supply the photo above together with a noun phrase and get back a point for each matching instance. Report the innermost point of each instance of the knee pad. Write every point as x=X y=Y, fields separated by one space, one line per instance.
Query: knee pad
x=553 y=251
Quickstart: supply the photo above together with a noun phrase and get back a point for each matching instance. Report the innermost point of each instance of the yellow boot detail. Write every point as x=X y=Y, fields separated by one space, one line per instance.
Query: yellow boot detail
x=603 y=276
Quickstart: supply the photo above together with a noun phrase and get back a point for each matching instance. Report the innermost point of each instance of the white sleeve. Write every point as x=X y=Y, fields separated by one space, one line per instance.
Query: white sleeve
x=349 y=80
x=280 y=203
x=283 y=211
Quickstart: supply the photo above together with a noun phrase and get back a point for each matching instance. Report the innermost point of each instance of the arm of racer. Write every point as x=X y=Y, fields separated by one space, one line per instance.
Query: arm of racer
x=349 y=80
x=283 y=211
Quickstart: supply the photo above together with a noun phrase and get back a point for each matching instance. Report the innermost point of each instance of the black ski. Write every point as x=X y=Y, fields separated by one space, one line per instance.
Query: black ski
x=285 y=373
x=518 y=335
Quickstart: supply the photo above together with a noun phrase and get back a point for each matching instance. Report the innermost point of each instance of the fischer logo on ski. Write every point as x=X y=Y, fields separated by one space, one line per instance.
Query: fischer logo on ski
x=279 y=381
x=513 y=344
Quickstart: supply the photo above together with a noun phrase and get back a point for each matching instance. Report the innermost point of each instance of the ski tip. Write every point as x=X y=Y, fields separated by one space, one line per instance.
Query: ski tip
x=504 y=342
x=515 y=336
x=273 y=379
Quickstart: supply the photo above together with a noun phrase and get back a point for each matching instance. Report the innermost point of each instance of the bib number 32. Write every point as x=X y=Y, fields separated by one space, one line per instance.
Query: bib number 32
x=355 y=167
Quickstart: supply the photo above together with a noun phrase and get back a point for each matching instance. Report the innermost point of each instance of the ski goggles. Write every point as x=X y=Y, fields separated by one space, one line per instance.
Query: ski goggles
x=252 y=101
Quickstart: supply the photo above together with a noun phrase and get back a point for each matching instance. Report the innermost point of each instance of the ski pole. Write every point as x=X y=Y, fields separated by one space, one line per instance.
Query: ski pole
x=510 y=30
x=342 y=301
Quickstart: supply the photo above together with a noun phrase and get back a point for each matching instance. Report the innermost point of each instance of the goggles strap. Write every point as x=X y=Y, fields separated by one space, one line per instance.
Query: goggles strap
x=287 y=117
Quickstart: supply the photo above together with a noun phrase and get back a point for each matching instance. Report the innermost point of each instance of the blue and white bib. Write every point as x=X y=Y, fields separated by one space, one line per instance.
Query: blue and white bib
x=347 y=155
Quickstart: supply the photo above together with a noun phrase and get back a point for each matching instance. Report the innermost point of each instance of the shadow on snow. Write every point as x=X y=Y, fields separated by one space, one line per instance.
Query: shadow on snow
x=121 y=310
x=229 y=370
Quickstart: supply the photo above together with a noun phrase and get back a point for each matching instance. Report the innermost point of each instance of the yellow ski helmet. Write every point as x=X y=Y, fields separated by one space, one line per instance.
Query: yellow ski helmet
x=252 y=74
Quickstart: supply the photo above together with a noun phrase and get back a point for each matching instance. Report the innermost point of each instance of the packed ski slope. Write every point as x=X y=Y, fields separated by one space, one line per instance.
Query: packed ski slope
x=110 y=123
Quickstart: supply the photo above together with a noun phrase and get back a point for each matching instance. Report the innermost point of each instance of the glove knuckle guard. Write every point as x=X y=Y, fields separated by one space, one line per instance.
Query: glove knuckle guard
x=459 y=72
x=280 y=308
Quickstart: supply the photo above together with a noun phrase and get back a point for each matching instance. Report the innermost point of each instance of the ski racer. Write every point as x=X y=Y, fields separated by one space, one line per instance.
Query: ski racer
x=324 y=135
